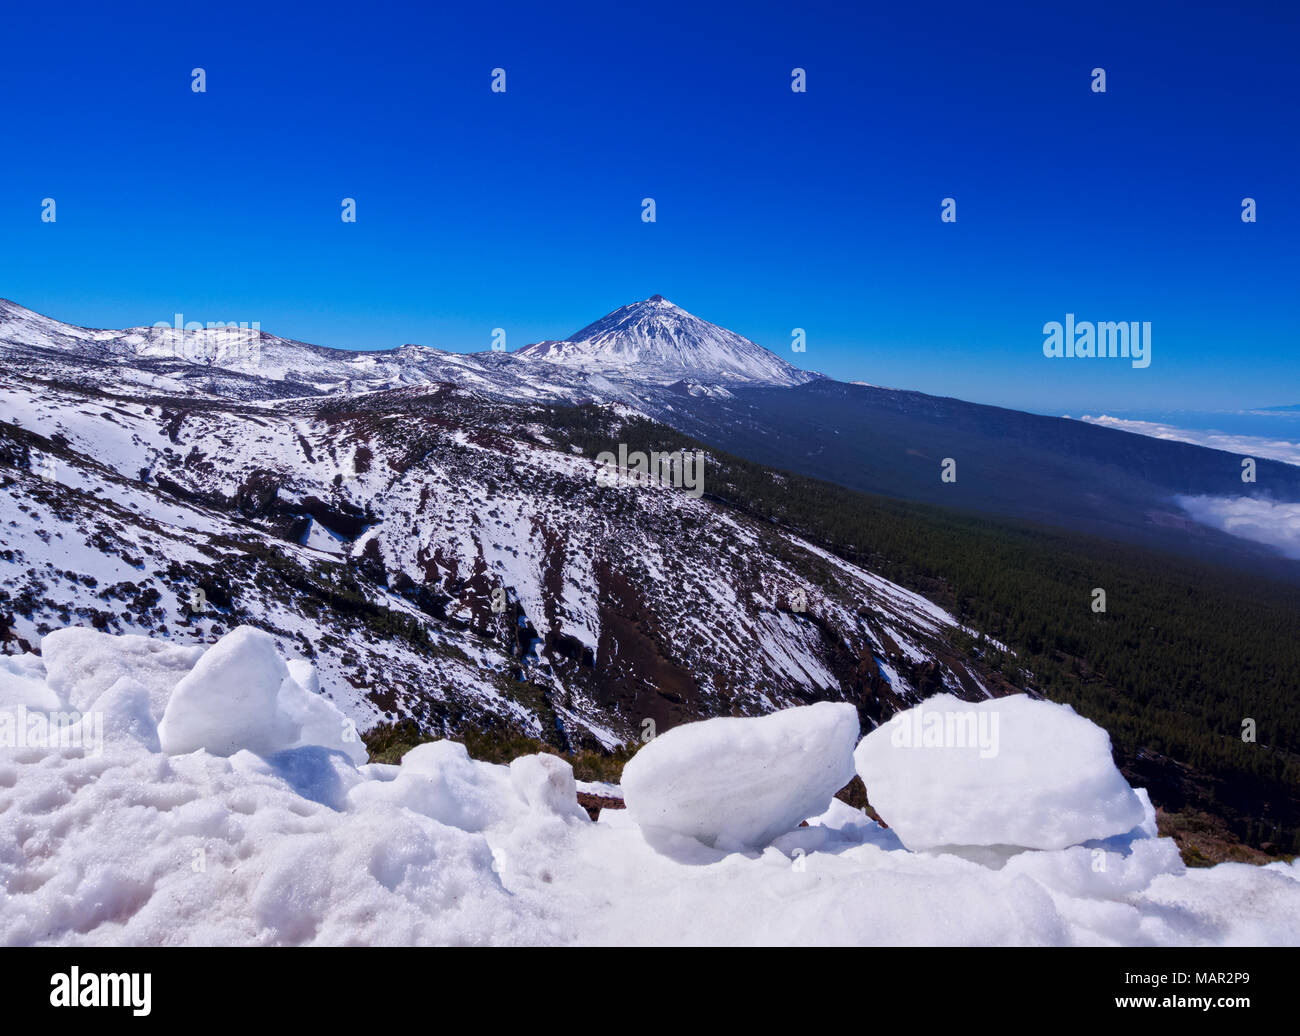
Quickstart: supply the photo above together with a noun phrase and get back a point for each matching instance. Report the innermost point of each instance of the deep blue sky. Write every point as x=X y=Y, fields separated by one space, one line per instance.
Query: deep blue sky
x=775 y=210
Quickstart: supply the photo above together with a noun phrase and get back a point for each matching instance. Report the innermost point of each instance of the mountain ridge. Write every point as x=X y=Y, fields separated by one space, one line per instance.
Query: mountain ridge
x=649 y=342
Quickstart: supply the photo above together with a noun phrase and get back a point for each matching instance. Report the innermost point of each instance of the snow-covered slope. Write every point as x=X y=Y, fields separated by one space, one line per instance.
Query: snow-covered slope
x=438 y=555
x=661 y=343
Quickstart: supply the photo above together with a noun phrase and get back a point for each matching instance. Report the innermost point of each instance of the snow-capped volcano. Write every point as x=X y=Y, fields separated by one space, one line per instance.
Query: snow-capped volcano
x=662 y=343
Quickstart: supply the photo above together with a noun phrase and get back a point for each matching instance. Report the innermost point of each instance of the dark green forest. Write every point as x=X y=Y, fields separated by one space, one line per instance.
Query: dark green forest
x=1184 y=654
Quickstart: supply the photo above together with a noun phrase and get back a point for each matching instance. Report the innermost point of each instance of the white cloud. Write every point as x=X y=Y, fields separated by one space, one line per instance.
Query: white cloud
x=1246 y=445
x=1252 y=518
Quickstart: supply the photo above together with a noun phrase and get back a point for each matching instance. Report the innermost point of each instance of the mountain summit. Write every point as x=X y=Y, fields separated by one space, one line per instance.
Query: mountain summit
x=655 y=341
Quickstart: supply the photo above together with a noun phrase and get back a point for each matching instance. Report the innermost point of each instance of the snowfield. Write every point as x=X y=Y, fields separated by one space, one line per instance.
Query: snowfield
x=223 y=801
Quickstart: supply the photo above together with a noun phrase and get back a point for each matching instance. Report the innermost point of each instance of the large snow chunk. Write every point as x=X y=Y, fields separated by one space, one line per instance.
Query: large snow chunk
x=22 y=685
x=1010 y=771
x=438 y=779
x=125 y=711
x=228 y=700
x=81 y=664
x=545 y=783
x=739 y=783
x=319 y=720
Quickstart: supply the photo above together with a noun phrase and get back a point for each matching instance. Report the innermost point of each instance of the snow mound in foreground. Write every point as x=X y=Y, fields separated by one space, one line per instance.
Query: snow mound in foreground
x=739 y=783
x=1010 y=771
x=81 y=664
x=240 y=695
x=278 y=840
x=228 y=700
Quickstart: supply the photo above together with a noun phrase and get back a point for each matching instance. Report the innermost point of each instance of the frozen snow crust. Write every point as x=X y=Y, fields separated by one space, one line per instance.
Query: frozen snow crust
x=223 y=800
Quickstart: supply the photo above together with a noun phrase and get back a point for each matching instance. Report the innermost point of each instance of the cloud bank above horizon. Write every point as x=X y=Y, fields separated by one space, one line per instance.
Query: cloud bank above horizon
x=1246 y=445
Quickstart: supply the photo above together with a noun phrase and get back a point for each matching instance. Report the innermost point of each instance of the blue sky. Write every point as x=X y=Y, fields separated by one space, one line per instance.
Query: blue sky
x=775 y=210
